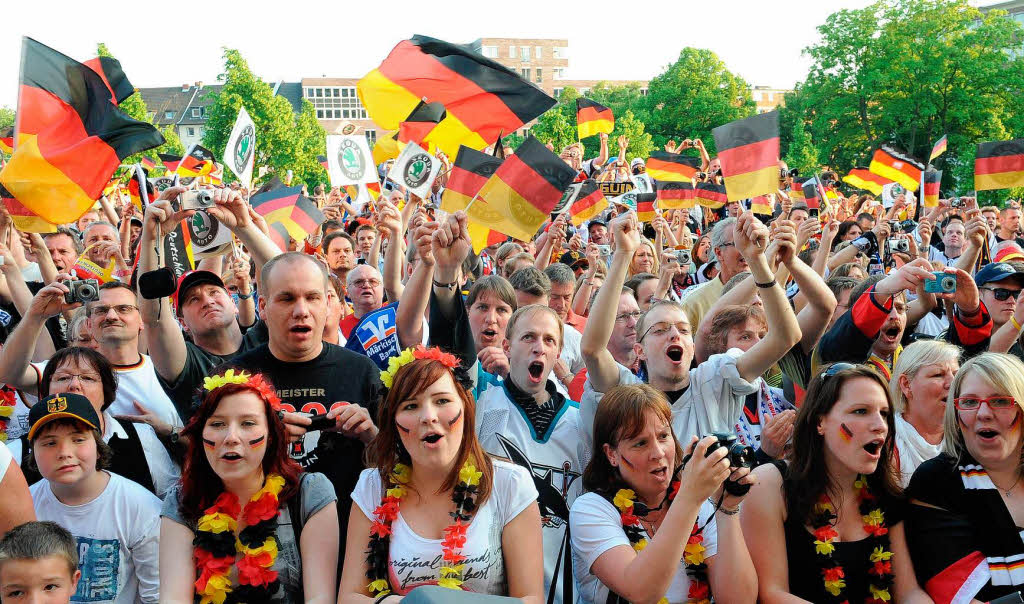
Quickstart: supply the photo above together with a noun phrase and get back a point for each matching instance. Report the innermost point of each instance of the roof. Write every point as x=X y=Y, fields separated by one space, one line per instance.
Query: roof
x=174 y=105
x=292 y=92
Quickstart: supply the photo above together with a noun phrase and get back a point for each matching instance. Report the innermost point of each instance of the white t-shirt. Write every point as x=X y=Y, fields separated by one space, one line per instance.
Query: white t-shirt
x=5 y=460
x=118 y=536
x=596 y=527
x=416 y=561
x=571 y=355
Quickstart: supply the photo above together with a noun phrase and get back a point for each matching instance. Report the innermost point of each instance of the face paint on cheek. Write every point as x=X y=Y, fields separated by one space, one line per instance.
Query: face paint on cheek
x=403 y=428
x=845 y=433
x=209 y=443
x=455 y=419
x=254 y=443
x=1016 y=421
x=628 y=463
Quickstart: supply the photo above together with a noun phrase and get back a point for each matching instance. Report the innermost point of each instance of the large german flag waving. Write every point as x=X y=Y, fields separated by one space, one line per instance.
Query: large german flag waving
x=674 y=195
x=897 y=167
x=469 y=173
x=749 y=152
x=593 y=118
x=999 y=165
x=671 y=167
x=482 y=97
x=70 y=135
x=421 y=123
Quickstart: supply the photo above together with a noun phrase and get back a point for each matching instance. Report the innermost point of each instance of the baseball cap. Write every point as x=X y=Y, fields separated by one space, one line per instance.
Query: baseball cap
x=996 y=271
x=1010 y=252
x=61 y=406
x=597 y=221
x=636 y=162
x=574 y=260
x=190 y=279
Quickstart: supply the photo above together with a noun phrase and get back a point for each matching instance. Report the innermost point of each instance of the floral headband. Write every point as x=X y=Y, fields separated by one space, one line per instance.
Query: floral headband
x=387 y=376
x=255 y=382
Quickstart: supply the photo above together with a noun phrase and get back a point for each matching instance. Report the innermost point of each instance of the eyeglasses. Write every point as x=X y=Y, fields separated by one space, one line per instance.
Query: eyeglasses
x=121 y=309
x=1001 y=293
x=366 y=283
x=661 y=329
x=83 y=378
x=973 y=403
x=624 y=318
x=835 y=368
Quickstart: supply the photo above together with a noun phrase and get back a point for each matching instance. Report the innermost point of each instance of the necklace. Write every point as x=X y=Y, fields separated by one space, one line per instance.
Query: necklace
x=216 y=545
x=880 y=576
x=693 y=552
x=1006 y=491
x=452 y=564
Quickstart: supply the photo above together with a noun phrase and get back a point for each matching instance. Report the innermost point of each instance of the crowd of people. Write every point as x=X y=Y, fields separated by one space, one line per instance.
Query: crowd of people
x=820 y=404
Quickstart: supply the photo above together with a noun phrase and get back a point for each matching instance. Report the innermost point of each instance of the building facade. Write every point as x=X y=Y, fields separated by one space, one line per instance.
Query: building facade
x=1015 y=11
x=767 y=98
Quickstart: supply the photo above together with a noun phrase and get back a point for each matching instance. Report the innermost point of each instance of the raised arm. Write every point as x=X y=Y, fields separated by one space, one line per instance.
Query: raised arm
x=14 y=356
x=409 y=316
x=601 y=367
x=581 y=301
x=977 y=237
x=389 y=221
x=233 y=212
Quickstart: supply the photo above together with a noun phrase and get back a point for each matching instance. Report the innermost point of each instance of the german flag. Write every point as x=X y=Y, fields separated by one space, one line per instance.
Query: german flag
x=674 y=195
x=762 y=204
x=796 y=192
x=710 y=195
x=469 y=173
x=139 y=189
x=749 y=152
x=109 y=70
x=482 y=97
x=147 y=163
x=71 y=136
x=288 y=207
x=523 y=190
x=999 y=165
x=323 y=161
x=279 y=235
x=7 y=140
x=897 y=167
x=938 y=149
x=387 y=147
x=932 y=178
x=171 y=161
x=199 y=161
x=812 y=196
x=421 y=123
x=482 y=236
x=672 y=167
x=24 y=220
x=590 y=201
x=593 y=118
x=862 y=178
x=646 y=206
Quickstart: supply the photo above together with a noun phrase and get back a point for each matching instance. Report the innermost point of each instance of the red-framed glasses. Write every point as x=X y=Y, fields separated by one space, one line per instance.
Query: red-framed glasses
x=972 y=403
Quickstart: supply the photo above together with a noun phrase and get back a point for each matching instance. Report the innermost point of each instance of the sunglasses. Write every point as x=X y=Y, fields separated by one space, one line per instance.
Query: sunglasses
x=1001 y=293
x=973 y=403
x=835 y=368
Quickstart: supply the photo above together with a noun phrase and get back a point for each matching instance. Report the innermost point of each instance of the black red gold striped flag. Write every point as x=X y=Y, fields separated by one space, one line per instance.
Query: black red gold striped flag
x=288 y=207
x=710 y=195
x=139 y=189
x=672 y=167
x=199 y=161
x=932 y=178
x=7 y=140
x=71 y=136
x=523 y=191
x=417 y=127
x=109 y=70
x=674 y=195
x=999 y=165
x=323 y=161
x=593 y=118
x=796 y=192
x=749 y=152
x=762 y=204
x=482 y=97
x=147 y=163
x=812 y=193
x=279 y=235
x=590 y=201
x=469 y=173
x=646 y=206
x=170 y=161
x=938 y=149
x=897 y=166
x=24 y=220
x=862 y=178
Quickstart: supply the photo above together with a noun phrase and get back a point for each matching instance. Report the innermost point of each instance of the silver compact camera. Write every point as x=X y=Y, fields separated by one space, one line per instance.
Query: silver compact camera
x=196 y=200
x=81 y=290
x=606 y=250
x=901 y=246
x=683 y=257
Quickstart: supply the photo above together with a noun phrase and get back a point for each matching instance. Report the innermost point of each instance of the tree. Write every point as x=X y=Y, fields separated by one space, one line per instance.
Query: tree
x=640 y=142
x=801 y=154
x=692 y=96
x=283 y=140
x=6 y=117
x=558 y=124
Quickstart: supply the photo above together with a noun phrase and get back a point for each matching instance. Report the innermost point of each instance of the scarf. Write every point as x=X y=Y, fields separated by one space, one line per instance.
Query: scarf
x=912 y=449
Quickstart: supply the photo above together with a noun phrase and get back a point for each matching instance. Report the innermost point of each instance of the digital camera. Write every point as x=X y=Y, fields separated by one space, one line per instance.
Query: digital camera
x=81 y=290
x=739 y=456
x=196 y=200
x=606 y=250
x=900 y=246
x=943 y=283
x=956 y=203
x=683 y=257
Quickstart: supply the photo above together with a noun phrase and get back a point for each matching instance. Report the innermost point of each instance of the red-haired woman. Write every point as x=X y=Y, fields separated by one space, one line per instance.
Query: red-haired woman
x=244 y=524
x=435 y=509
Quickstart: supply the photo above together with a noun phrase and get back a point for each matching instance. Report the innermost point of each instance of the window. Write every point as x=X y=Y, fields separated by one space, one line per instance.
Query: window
x=539 y=78
x=371 y=136
x=319 y=114
x=191 y=131
x=491 y=52
x=561 y=52
x=559 y=73
x=557 y=92
x=309 y=92
x=643 y=92
x=511 y=52
x=537 y=52
x=319 y=92
x=526 y=73
x=168 y=115
x=524 y=53
x=338 y=103
x=197 y=111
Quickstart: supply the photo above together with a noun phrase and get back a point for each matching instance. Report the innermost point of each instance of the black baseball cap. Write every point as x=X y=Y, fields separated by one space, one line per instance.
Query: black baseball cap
x=997 y=271
x=574 y=260
x=62 y=406
x=191 y=279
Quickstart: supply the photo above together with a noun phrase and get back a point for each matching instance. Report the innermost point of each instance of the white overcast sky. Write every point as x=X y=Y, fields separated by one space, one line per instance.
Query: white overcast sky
x=169 y=43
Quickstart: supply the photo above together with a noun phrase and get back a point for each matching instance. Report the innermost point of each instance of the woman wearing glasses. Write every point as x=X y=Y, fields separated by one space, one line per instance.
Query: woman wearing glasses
x=967 y=504
x=826 y=525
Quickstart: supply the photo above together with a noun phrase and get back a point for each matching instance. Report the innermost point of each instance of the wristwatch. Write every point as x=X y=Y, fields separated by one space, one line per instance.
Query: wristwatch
x=175 y=437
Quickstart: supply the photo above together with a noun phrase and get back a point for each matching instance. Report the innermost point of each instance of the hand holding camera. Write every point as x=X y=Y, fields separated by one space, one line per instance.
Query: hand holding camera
x=57 y=297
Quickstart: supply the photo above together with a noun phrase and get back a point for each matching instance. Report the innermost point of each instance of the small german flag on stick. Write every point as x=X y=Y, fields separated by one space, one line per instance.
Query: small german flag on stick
x=646 y=206
x=469 y=173
x=593 y=118
x=710 y=195
x=7 y=140
x=290 y=208
x=999 y=165
x=590 y=201
x=171 y=162
x=897 y=167
x=749 y=152
x=674 y=195
x=762 y=204
x=147 y=163
x=938 y=149
x=672 y=167
x=862 y=178
x=812 y=196
x=199 y=161
x=323 y=161
x=932 y=178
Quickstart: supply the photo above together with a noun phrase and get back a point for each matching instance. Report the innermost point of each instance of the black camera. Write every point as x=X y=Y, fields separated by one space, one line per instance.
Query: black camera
x=956 y=203
x=319 y=421
x=783 y=173
x=81 y=290
x=740 y=456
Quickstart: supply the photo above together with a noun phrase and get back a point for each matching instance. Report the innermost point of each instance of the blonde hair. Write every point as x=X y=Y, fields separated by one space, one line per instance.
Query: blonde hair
x=913 y=359
x=1003 y=372
x=654 y=253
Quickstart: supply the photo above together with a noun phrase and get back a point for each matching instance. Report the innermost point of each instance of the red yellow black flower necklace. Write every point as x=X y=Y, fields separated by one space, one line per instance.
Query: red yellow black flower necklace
x=452 y=565
x=215 y=546
x=880 y=575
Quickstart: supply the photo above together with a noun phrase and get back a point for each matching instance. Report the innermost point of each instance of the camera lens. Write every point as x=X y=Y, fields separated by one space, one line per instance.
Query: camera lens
x=949 y=283
x=86 y=291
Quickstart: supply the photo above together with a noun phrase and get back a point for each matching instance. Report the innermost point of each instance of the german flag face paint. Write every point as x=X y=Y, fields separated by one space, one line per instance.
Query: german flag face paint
x=845 y=433
x=257 y=442
x=455 y=419
x=209 y=444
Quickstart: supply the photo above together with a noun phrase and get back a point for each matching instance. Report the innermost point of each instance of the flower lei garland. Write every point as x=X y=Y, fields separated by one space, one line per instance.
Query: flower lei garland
x=7 y=403
x=880 y=575
x=454 y=534
x=387 y=376
x=215 y=546
x=256 y=382
x=693 y=553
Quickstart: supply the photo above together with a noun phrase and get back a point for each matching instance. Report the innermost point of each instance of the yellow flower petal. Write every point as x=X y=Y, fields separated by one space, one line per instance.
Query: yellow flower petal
x=397 y=492
x=624 y=499
x=879 y=594
x=217 y=523
x=823 y=547
x=879 y=554
x=640 y=545
x=401 y=473
x=469 y=474
x=450 y=583
x=834 y=587
x=380 y=585
x=693 y=553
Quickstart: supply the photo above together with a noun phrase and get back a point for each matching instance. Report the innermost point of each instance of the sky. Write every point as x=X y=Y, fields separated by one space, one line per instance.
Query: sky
x=760 y=41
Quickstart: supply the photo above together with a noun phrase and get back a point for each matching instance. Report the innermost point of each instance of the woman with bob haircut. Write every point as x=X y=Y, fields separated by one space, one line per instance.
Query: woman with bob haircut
x=648 y=529
x=645 y=259
x=245 y=523
x=432 y=494
x=826 y=525
x=967 y=504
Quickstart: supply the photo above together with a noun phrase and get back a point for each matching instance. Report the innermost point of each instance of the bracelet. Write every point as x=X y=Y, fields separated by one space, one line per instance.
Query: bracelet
x=246 y=296
x=725 y=510
x=1016 y=325
x=449 y=286
x=768 y=285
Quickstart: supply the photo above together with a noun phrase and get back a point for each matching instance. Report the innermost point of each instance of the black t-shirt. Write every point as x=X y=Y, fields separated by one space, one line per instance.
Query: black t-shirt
x=311 y=387
x=1017 y=240
x=53 y=324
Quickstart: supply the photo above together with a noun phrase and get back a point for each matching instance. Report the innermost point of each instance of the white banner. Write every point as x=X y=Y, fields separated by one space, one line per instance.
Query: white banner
x=349 y=161
x=240 y=154
x=415 y=169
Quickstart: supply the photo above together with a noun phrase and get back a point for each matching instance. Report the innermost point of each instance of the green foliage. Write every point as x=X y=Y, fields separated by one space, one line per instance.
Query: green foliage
x=907 y=72
x=284 y=141
x=173 y=144
x=801 y=154
x=558 y=126
x=6 y=117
